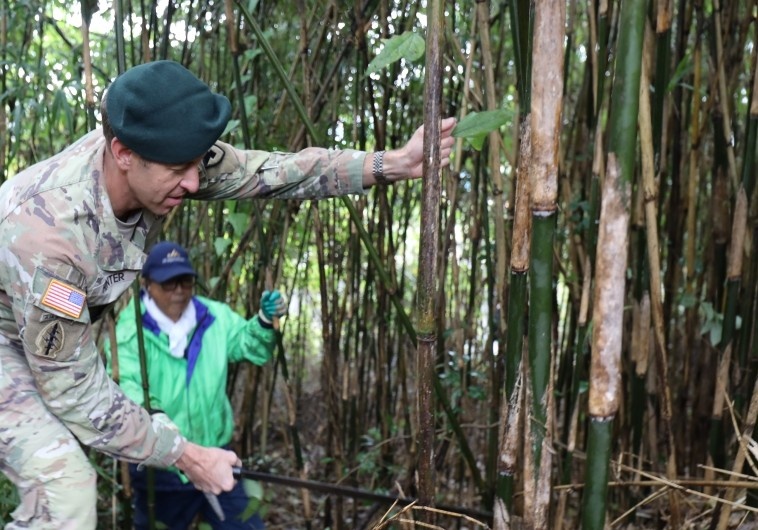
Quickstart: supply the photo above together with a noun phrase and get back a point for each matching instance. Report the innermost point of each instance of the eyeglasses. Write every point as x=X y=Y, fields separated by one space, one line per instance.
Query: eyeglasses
x=187 y=283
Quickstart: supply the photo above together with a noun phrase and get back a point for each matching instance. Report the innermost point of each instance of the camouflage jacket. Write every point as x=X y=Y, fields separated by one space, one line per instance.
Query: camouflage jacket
x=64 y=257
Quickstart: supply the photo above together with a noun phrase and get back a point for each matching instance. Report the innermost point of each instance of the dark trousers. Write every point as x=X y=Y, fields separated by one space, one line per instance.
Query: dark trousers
x=177 y=504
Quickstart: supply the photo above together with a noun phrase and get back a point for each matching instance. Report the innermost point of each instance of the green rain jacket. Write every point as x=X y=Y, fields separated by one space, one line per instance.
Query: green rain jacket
x=191 y=390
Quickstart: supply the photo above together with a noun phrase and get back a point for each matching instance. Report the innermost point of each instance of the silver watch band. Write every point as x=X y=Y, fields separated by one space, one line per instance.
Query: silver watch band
x=378 y=168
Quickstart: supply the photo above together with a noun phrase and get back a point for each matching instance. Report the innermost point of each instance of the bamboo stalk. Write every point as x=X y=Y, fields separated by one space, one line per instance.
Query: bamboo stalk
x=723 y=94
x=546 y=109
x=611 y=260
x=365 y=238
x=89 y=97
x=653 y=251
x=145 y=399
x=742 y=450
x=651 y=216
x=118 y=26
x=663 y=14
x=499 y=190
x=428 y=262
x=517 y=297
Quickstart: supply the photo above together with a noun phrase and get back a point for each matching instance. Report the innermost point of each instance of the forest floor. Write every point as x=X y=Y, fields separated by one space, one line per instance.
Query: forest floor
x=291 y=508
x=286 y=506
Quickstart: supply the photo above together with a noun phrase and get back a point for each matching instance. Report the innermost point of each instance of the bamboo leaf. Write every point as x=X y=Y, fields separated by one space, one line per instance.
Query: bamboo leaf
x=239 y=222
x=253 y=489
x=62 y=110
x=231 y=126
x=220 y=244
x=408 y=46
x=682 y=69
x=477 y=125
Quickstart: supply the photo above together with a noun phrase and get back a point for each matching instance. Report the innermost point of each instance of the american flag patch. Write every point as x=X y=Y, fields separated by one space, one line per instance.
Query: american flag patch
x=64 y=298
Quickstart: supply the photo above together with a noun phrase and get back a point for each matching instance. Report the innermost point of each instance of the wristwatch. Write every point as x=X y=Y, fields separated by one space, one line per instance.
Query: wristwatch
x=378 y=168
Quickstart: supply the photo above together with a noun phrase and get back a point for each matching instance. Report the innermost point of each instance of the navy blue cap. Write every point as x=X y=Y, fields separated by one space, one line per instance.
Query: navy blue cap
x=167 y=260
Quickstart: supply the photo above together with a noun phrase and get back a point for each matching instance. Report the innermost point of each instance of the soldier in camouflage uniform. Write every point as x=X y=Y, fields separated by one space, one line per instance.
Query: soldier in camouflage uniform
x=73 y=231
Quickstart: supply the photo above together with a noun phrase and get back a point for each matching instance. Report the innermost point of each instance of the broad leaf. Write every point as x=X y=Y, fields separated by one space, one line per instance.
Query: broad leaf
x=408 y=46
x=477 y=125
x=239 y=222
x=221 y=244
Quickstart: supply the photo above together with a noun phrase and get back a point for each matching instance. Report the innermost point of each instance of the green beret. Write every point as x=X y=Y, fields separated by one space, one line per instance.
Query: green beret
x=161 y=111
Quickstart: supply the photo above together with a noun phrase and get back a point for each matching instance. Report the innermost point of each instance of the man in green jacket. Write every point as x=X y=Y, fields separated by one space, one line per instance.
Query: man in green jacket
x=189 y=341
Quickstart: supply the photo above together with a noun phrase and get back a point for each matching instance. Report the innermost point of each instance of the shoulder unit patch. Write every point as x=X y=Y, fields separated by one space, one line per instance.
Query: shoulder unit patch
x=50 y=340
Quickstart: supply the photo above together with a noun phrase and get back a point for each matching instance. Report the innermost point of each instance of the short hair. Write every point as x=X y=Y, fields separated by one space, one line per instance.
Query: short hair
x=107 y=129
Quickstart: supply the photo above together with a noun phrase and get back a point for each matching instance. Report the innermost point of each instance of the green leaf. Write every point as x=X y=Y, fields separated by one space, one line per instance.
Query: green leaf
x=408 y=46
x=253 y=489
x=251 y=103
x=682 y=69
x=476 y=123
x=239 y=222
x=231 y=125
x=62 y=111
x=688 y=300
x=221 y=244
x=477 y=142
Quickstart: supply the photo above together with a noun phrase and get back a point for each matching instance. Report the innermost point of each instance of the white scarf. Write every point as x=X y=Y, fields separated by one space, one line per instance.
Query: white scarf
x=178 y=331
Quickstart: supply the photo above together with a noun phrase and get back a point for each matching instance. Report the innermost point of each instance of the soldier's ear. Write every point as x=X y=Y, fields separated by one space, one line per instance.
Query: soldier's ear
x=121 y=154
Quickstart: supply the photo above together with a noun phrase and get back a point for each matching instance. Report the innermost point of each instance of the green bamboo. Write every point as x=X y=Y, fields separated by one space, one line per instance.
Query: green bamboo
x=522 y=20
x=661 y=79
x=599 y=443
x=605 y=375
x=545 y=120
x=540 y=324
x=145 y=398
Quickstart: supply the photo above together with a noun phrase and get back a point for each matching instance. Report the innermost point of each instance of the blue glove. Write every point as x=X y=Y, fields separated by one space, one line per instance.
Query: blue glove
x=273 y=305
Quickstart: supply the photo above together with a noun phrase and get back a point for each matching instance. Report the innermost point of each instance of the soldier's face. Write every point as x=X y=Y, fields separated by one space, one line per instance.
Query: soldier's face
x=159 y=187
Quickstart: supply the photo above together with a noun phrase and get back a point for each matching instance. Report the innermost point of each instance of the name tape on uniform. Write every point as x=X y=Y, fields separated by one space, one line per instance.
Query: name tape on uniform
x=64 y=298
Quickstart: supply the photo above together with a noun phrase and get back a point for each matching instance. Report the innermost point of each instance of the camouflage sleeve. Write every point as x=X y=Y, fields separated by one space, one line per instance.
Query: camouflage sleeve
x=313 y=173
x=49 y=306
